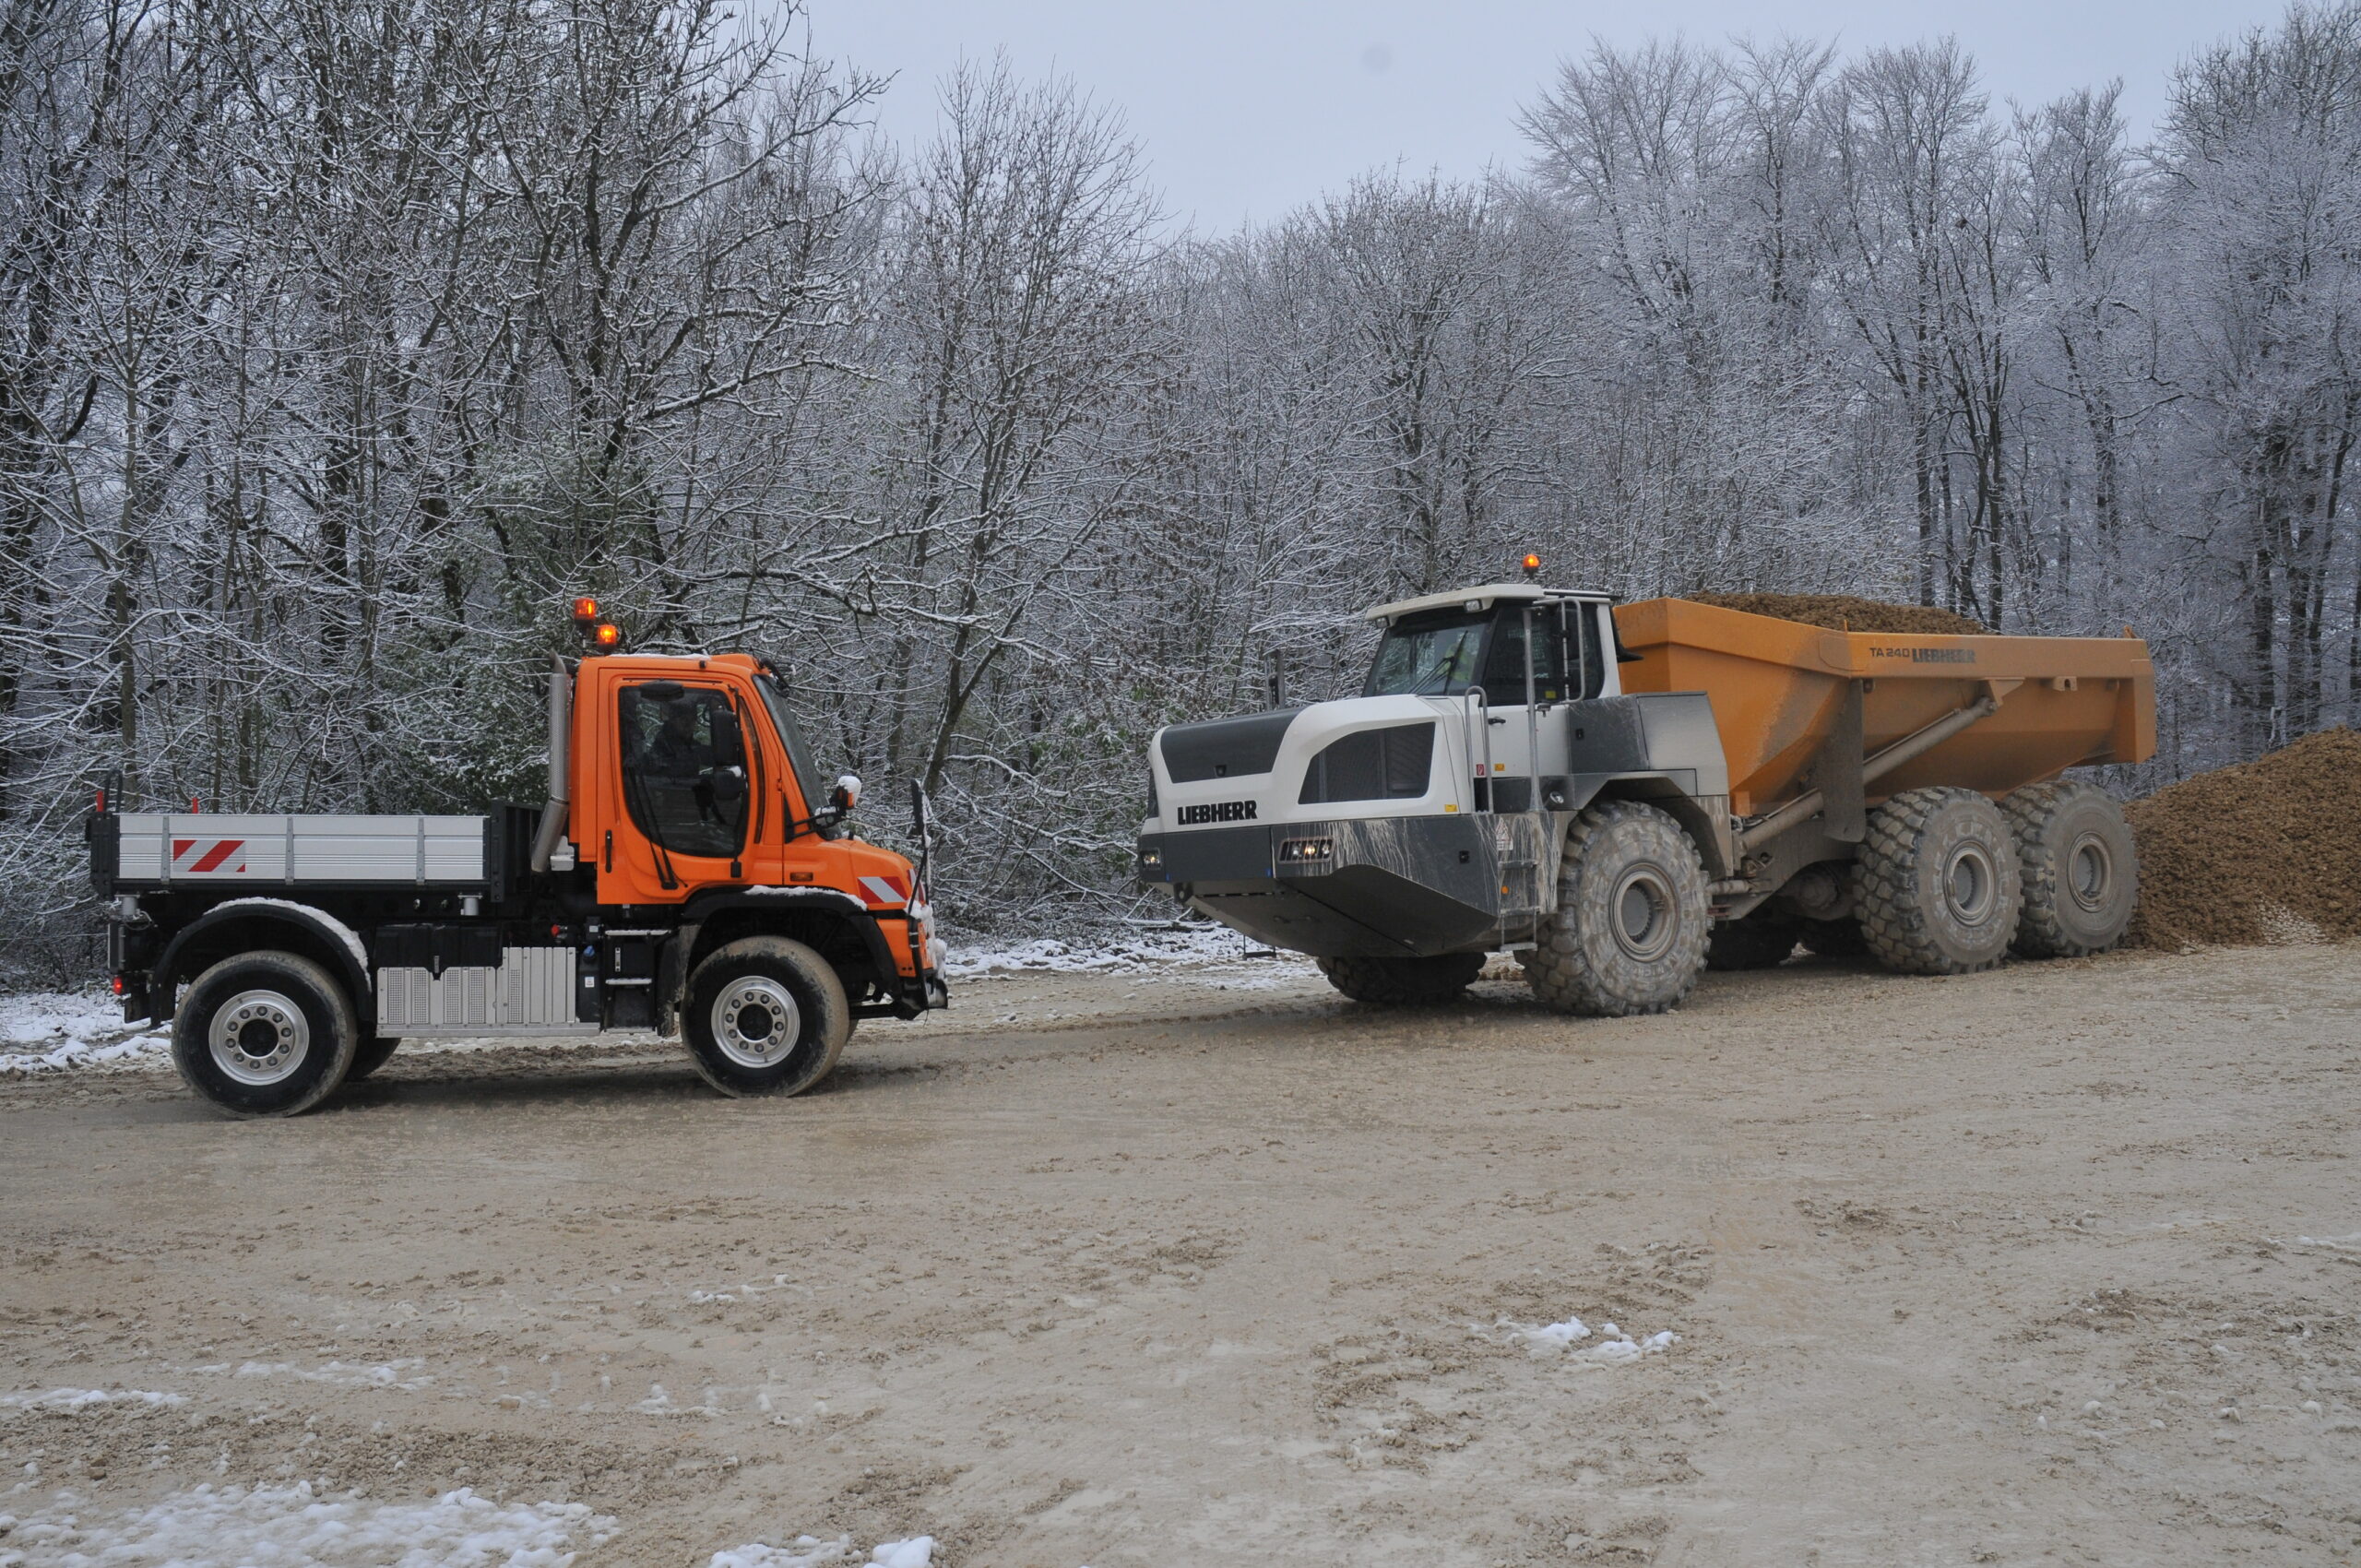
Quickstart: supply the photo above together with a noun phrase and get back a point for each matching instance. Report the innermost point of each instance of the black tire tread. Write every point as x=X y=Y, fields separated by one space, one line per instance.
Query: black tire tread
x=815 y=973
x=2031 y=811
x=1893 y=925
x=1564 y=970
x=1403 y=982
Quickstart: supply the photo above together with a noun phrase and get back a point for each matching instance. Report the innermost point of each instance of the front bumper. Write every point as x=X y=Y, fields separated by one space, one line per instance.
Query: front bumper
x=1385 y=888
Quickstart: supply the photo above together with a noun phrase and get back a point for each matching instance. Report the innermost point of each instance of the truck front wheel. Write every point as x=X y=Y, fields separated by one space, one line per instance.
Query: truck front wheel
x=1939 y=885
x=1629 y=932
x=765 y=1015
x=265 y=1034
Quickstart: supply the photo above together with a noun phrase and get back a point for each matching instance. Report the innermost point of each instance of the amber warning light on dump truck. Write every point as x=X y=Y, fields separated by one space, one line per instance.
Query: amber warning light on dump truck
x=1532 y=564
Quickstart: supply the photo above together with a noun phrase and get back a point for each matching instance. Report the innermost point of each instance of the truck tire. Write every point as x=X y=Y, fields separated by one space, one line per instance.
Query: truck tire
x=1834 y=939
x=1760 y=941
x=265 y=1034
x=1403 y=982
x=1939 y=885
x=2081 y=871
x=765 y=1015
x=1629 y=932
x=370 y=1056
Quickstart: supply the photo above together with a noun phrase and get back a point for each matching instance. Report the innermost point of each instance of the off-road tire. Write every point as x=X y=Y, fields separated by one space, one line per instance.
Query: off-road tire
x=2079 y=866
x=1834 y=939
x=1760 y=941
x=785 y=1053
x=372 y=1054
x=1938 y=882
x=240 y=1013
x=1629 y=931
x=1403 y=982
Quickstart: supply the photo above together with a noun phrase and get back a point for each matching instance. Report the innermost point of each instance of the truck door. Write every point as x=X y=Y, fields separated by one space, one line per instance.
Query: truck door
x=687 y=783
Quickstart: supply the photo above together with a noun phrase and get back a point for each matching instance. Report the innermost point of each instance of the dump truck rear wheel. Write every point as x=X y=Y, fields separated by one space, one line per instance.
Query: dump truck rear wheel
x=1759 y=941
x=1403 y=982
x=1629 y=932
x=265 y=1034
x=372 y=1054
x=1940 y=884
x=2081 y=873
x=765 y=1015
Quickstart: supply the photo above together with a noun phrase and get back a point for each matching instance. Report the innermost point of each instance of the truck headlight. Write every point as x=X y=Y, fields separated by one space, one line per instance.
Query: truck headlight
x=1306 y=852
x=1152 y=860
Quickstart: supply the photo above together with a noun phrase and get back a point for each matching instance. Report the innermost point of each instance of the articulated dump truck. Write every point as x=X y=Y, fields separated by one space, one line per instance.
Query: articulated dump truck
x=1624 y=796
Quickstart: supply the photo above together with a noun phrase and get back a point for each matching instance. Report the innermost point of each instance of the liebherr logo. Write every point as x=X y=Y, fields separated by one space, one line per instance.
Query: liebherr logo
x=1927 y=655
x=1217 y=810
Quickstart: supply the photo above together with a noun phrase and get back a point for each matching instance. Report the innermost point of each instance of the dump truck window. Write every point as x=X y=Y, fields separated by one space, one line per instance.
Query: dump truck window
x=1504 y=667
x=684 y=768
x=1431 y=656
x=1583 y=620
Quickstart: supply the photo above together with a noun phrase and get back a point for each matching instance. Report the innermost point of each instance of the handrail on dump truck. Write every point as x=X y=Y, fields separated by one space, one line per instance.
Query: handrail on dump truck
x=1477 y=719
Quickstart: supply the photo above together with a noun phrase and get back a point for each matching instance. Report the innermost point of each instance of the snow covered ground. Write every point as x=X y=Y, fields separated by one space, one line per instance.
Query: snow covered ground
x=290 y=1526
x=1142 y=950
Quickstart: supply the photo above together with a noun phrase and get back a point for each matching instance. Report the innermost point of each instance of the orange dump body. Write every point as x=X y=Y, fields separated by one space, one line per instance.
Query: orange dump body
x=1778 y=687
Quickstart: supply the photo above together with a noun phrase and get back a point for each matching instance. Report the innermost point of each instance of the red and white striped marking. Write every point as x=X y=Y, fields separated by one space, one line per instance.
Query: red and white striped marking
x=196 y=857
x=878 y=892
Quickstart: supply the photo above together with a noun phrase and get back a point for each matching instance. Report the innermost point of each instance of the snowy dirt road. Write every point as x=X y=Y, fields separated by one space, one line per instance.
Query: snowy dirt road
x=2060 y=1263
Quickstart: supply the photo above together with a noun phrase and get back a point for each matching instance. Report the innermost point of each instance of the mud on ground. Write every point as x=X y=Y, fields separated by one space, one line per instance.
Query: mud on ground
x=2060 y=1263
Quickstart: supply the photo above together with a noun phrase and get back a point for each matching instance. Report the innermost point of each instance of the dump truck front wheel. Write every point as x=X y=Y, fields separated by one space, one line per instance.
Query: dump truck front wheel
x=765 y=1014
x=1629 y=932
x=1940 y=883
x=265 y=1034
x=1759 y=941
x=1403 y=982
x=2081 y=877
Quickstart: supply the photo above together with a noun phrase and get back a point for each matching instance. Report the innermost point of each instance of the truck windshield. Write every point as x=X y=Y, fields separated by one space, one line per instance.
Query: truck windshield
x=791 y=735
x=1432 y=654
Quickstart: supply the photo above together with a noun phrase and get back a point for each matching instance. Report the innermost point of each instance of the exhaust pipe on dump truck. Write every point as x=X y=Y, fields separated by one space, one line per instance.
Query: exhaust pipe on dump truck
x=553 y=812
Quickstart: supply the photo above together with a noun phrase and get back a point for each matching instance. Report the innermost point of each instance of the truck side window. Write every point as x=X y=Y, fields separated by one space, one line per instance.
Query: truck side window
x=1505 y=665
x=684 y=768
x=1594 y=656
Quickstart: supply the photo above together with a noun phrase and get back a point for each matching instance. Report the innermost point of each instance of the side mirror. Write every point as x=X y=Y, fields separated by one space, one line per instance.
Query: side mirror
x=729 y=785
x=847 y=794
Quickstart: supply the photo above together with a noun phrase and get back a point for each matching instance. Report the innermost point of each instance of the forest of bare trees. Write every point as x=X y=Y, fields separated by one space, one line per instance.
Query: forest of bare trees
x=342 y=341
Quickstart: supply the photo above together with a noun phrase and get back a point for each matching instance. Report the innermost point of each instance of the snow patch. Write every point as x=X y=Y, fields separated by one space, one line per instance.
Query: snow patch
x=810 y=1551
x=294 y=1528
x=83 y=1398
x=1130 y=953
x=1567 y=1338
x=51 y=1031
x=400 y=1373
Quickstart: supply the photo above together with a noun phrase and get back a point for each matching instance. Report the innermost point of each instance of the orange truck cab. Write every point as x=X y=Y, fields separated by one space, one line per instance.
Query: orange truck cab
x=689 y=873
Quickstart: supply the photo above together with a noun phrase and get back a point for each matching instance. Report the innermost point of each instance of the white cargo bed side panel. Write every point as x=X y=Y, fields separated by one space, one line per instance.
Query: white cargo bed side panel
x=252 y=848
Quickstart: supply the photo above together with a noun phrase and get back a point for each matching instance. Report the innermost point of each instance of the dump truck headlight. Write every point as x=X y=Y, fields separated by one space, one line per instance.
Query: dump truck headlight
x=1306 y=852
x=1152 y=860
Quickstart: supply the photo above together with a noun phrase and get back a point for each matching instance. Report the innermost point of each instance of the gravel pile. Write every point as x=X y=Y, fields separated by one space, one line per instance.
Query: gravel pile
x=2262 y=853
x=1842 y=611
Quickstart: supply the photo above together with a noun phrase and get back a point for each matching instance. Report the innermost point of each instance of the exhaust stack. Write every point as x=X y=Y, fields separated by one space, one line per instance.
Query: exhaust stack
x=553 y=812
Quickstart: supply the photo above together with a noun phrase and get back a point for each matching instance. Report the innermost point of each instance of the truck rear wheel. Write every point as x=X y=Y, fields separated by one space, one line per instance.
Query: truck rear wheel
x=1629 y=932
x=765 y=1015
x=1939 y=885
x=1403 y=982
x=1760 y=941
x=2081 y=873
x=265 y=1034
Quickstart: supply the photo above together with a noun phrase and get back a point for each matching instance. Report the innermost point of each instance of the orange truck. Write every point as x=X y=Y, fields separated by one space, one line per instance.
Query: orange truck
x=1624 y=797
x=689 y=872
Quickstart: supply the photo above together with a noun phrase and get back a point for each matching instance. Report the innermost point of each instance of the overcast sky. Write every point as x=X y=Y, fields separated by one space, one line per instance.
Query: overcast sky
x=1247 y=108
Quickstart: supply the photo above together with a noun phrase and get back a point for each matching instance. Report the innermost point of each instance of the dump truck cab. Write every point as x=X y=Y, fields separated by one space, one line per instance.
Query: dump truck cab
x=690 y=872
x=1517 y=776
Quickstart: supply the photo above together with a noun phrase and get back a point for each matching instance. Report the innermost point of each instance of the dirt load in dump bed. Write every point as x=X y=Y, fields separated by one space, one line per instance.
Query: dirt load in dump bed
x=1842 y=611
x=2263 y=851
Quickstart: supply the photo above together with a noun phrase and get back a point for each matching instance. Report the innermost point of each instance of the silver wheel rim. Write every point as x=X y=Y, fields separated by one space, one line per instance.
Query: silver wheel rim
x=2090 y=873
x=259 y=1038
x=1970 y=888
x=755 y=1021
x=1642 y=915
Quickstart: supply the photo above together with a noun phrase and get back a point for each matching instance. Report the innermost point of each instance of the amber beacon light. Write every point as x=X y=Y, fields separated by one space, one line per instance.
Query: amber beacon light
x=1532 y=564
